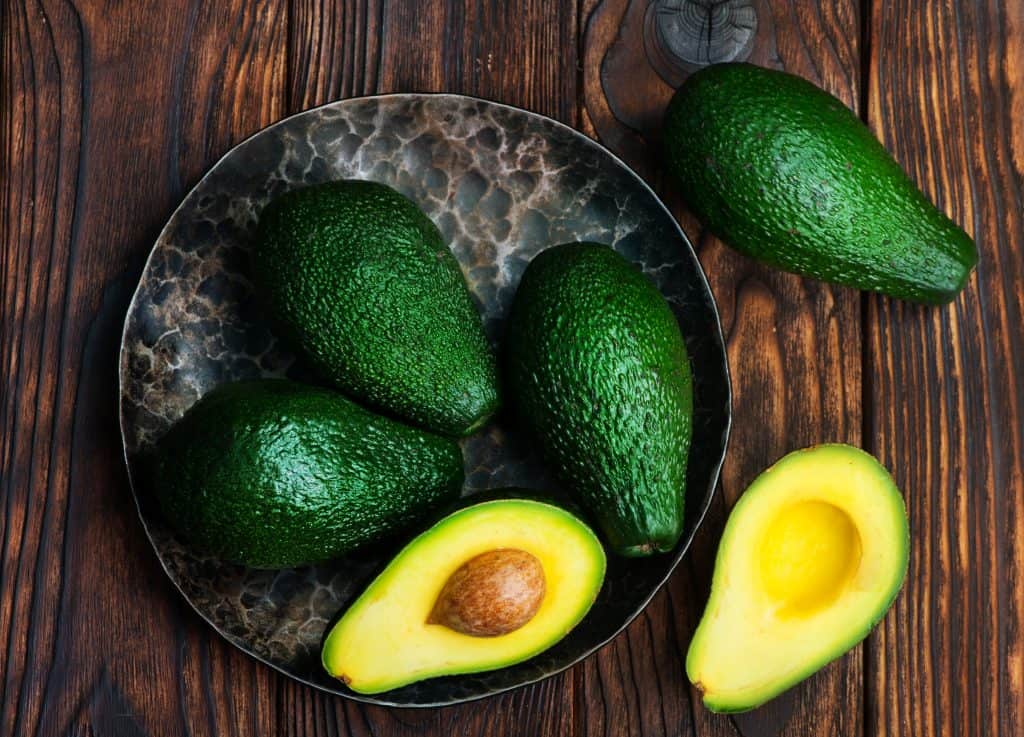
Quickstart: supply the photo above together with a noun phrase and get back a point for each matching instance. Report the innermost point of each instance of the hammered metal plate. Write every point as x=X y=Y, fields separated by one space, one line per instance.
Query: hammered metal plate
x=501 y=184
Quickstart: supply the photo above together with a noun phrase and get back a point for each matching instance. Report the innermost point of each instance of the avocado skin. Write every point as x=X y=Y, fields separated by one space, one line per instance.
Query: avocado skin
x=362 y=284
x=274 y=474
x=785 y=173
x=600 y=376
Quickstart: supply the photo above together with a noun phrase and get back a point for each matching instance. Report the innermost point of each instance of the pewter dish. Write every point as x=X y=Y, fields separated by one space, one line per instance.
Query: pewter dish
x=501 y=184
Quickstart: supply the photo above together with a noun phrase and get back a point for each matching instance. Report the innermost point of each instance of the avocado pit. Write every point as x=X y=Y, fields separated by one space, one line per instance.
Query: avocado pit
x=491 y=594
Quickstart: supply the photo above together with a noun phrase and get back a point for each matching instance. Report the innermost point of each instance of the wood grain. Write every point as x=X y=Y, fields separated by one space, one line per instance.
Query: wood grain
x=334 y=50
x=794 y=353
x=521 y=53
x=947 y=400
x=109 y=112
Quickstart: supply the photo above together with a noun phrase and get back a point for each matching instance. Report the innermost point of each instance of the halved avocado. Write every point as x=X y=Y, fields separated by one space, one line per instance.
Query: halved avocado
x=811 y=557
x=488 y=586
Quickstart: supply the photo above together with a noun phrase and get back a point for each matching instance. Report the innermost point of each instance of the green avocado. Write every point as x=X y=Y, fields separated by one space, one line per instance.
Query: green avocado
x=489 y=585
x=811 y=557
x=360 y=281
x=273 y=474
x=599 y=374
x=785 y=173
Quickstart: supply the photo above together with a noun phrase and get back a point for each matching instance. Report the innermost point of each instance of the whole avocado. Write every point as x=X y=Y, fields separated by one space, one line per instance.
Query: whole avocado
x=785 y=173
x=599 y=374
x=273 y=474
x=361 y=282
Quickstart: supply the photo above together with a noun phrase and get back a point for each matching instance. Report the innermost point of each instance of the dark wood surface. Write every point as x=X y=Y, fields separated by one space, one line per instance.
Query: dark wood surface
x=110 y=111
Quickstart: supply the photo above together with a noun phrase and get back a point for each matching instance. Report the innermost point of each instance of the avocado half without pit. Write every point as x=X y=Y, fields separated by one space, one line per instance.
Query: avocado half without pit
x=811 y=557
x=486 y=587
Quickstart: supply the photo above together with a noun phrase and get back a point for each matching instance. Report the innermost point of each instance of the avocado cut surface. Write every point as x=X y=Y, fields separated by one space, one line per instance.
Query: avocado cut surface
x=786 y=174
x=362 y=284
x=387 y=638
x=811 y=558
x=599 y=374
x=273 y=474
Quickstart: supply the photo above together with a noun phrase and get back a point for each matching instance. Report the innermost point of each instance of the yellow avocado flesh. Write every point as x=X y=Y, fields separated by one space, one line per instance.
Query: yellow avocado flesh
x=383 y=641
x=811 y=558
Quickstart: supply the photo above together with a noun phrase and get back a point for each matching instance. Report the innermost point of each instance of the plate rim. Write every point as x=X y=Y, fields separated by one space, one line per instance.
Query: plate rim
x=716 y=469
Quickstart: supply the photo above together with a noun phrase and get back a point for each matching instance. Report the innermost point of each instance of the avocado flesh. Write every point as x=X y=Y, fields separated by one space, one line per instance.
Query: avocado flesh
x=811 y=557
x=383 y=641
x=272 y=474
x=785 y=173
x=362 y=284
x=600 y=375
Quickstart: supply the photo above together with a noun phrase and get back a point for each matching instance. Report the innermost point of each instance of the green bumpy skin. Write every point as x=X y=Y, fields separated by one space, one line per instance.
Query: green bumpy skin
x=600 y=376
x=361 y=282
x=785 y=173
x=274 y=474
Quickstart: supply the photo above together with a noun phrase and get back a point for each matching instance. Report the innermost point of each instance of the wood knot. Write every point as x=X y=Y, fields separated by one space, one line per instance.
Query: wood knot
x=681 y=36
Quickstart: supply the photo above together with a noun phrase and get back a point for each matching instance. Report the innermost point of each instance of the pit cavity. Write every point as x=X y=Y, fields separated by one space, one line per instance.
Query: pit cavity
x=808 y=555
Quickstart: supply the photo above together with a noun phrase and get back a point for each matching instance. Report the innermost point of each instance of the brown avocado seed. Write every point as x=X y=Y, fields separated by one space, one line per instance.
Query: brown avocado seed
x=491 y=594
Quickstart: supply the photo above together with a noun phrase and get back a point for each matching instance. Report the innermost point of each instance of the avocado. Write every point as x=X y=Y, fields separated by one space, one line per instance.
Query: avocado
x=273 y=474
x=597 y=367
x=785 y=173
x=811 y=557
x=361 y=283
x=490 y=585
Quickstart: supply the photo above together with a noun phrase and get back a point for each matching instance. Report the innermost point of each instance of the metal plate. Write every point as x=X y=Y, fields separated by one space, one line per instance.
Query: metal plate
x=501 y=184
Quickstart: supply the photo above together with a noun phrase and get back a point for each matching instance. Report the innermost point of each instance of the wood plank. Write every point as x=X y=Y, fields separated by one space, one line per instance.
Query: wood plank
x=947 y=410
x=335 y=50
x=795 y=353
x=523 y=53
x=109 y=112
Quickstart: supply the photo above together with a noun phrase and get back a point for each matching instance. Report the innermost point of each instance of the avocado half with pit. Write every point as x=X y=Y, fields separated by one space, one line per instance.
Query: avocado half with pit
x=811 y=557
x=488 y=586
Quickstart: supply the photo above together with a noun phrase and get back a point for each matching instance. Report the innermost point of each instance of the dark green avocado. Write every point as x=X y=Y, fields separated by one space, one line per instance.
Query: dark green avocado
x=785 y=173
x=273 y=474
x=361 y=282
x=599 y=375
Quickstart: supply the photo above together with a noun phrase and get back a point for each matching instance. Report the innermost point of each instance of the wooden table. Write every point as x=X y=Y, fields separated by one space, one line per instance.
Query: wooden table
x=112 y=110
